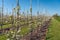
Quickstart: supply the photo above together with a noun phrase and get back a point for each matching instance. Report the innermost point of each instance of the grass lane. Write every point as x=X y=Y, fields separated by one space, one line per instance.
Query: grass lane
x=53 y=30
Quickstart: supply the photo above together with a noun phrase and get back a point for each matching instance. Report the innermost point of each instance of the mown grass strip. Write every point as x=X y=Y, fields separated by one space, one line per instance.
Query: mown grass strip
x=53 y=30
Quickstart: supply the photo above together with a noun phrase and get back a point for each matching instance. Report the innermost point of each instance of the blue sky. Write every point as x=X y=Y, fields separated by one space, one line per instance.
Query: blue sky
x=51 y=6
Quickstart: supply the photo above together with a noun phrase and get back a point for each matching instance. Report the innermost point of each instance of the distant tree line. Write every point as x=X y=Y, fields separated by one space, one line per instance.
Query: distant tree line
x=56 y=16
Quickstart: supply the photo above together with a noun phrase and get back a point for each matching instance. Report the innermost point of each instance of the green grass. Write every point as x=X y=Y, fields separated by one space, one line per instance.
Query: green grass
x=24 y=30
x=53 y=30
x=9 y=25
x=6 y=26
x=3 y=37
